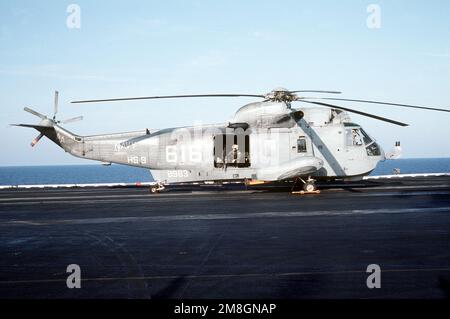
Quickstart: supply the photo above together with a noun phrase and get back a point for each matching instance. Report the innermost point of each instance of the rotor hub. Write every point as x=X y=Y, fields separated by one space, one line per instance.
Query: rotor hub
x=281 y=95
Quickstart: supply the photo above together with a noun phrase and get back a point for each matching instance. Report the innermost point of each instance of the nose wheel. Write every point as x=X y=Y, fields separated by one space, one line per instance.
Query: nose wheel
x=308 y=186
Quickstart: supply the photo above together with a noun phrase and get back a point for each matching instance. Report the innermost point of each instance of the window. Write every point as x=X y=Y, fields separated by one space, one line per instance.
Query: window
x=366 y=137
x=353 y=137
x=301 y=145
x=373 y=150
x=356 y=136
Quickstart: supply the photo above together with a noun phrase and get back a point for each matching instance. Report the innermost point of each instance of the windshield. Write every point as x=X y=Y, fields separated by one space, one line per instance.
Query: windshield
x=367 y=139
x=353 y=137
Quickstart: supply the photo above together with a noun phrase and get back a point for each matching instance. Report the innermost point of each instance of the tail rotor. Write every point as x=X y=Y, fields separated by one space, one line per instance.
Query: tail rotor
x=50 y=122
x=42 y=117
x=72 y=120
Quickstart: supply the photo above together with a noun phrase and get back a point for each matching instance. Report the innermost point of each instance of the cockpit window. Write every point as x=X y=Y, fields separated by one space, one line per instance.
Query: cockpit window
x=356 y=136
x=366 y=137
x=353 y=137
x=373 y=150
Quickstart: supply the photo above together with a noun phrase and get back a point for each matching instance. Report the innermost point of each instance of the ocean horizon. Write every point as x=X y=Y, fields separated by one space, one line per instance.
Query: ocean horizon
x=96 y=173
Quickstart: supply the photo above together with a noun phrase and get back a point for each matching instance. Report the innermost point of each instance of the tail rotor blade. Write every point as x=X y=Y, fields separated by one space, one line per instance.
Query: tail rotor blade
x=27 y=109
x=56 y=104
x=73 y=119
x=36 y=140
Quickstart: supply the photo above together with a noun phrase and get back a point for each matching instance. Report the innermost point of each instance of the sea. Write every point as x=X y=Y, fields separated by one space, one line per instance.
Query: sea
x=85 y=174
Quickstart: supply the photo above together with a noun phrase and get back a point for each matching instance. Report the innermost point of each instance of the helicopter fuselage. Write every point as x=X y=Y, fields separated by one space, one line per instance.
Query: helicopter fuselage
x=265 y=141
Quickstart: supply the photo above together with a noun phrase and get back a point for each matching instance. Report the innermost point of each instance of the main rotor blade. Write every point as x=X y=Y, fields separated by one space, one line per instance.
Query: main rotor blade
x=168 y=97
x=315 y=91
x=56 y=104
x=357 y=112
x=73 y=119
x=384 y=103
x=27 y=109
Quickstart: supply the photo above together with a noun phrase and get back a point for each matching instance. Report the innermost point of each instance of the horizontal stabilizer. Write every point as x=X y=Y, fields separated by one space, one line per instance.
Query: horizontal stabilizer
x=45 y=130
x=37 y=127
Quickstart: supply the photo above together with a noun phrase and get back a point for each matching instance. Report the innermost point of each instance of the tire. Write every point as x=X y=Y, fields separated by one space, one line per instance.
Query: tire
x=153 y=190
x=309 y=187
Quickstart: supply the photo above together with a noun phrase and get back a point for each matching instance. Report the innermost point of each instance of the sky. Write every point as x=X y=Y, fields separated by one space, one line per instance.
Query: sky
x=136 y=48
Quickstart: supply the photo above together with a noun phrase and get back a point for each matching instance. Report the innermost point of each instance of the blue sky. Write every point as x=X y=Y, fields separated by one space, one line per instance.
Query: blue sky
x=132 y=48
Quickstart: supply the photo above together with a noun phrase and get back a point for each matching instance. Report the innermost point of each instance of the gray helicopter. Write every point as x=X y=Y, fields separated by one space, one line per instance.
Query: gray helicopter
x=266 y=141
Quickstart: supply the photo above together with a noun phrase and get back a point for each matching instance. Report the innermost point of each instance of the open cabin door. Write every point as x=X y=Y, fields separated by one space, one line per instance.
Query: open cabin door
x=231 y=150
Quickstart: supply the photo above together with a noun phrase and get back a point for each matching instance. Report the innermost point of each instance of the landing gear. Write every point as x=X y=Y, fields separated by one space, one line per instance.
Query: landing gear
x=157 y=188
x=309 y=186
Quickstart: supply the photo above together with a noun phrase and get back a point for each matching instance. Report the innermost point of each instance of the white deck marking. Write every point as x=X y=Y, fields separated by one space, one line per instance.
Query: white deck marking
x=153 y=183
x=219 y=216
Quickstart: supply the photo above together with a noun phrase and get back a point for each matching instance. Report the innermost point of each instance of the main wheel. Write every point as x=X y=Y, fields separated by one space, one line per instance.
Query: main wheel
x=309 y=187
x=154 y=190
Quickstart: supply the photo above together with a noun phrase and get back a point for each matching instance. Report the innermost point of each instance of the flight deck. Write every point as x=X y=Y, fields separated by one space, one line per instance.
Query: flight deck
x=210 y=243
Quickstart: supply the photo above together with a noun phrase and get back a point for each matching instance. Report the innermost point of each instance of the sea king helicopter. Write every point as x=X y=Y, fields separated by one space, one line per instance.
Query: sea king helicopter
x=264 y=142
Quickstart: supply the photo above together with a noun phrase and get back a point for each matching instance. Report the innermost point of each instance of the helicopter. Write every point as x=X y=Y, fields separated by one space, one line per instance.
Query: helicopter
x=266 y=141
